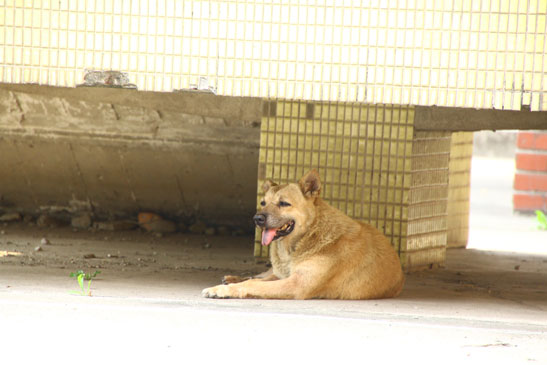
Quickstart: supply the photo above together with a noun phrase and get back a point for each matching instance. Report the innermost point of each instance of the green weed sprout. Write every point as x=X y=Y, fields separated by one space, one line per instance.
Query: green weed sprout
x=81 y=276
x=542 y=220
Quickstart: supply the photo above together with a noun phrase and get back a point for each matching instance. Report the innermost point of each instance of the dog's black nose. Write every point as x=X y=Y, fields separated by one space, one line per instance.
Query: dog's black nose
x=260 y=220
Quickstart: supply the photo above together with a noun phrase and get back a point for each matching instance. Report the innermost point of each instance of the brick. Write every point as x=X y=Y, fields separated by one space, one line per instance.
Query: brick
x=532 y=140
x=531 y=162
x=525 y=202
x=531 y=182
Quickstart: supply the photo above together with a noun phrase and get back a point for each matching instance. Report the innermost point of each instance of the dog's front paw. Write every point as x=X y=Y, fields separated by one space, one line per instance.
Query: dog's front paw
x=219 y=291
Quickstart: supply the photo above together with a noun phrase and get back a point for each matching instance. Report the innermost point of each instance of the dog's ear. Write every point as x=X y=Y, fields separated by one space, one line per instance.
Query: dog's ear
x=310 y=184
x=267 y=185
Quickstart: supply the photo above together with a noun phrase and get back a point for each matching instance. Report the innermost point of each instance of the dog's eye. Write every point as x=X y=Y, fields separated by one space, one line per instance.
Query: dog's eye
x=284 y=204
x=263 y=203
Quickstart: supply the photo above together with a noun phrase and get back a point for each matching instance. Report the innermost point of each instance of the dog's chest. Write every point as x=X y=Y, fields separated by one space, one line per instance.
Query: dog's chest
x=281 y=260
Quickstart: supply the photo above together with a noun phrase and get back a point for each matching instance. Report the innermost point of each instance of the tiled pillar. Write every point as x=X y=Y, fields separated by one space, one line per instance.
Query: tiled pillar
x=426 y=234
x=459 y=189
x=373 y=166
x=530 y=186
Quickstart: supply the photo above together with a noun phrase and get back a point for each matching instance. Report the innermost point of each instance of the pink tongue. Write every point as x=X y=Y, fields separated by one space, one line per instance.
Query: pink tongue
x=268 y=236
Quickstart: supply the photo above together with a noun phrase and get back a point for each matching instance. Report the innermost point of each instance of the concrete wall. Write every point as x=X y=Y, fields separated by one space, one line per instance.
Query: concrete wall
x=116 y=152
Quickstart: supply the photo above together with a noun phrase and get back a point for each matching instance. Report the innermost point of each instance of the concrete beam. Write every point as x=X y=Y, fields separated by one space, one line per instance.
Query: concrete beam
x=246 y=110
x=434 y=118
x=234 y=110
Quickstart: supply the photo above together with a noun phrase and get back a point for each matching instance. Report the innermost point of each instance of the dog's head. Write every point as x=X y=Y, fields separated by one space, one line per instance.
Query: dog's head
x=287 y=210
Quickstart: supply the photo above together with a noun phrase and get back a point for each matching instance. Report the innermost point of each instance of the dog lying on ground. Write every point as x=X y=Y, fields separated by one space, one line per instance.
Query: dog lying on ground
x=316 y=251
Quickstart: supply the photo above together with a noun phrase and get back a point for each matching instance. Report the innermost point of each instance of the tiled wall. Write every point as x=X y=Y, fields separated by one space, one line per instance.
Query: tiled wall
x=373 y=165
x=472 y=53
x=361 y=151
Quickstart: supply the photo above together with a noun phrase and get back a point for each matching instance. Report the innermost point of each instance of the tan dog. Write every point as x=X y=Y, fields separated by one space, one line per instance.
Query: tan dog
x=316 y=251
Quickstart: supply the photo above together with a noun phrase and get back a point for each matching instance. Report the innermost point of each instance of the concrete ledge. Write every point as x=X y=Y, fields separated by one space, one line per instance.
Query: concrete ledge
x=465 y=119
x=234 y=110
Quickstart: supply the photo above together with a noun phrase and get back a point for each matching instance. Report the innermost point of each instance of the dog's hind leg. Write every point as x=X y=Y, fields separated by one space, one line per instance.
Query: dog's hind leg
x=233 y=279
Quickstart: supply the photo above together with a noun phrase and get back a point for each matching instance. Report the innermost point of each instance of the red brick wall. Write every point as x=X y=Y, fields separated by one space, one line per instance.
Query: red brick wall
x=530 y=187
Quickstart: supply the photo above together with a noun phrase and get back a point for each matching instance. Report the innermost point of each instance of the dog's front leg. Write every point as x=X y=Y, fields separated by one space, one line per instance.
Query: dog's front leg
x=289 y=288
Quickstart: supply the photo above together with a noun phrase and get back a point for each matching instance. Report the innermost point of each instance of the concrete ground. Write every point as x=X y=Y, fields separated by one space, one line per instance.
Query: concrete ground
x=483 y=307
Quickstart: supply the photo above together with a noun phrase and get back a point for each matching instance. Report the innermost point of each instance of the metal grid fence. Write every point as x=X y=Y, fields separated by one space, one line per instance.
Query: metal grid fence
x=466 y=53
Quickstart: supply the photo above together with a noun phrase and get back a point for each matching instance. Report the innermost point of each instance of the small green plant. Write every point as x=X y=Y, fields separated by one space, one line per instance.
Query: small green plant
x=81 y=276
x=542 y=220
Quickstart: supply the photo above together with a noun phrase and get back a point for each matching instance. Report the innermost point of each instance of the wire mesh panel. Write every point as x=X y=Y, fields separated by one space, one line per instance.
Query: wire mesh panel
x=362 y=153
x=468 y=53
